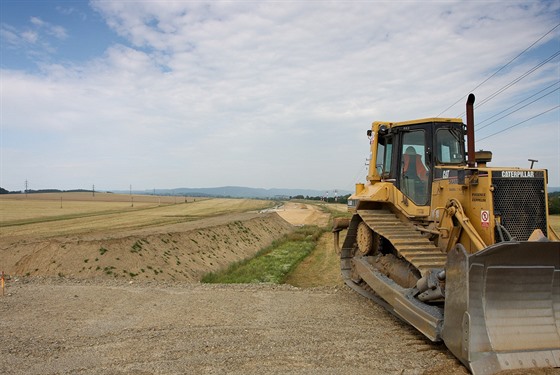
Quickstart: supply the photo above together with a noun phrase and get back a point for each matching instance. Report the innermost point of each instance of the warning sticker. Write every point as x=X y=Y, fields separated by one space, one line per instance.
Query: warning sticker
x=485 y=218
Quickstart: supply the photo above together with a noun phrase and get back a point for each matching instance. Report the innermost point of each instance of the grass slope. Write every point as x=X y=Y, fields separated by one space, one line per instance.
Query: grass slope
x=272 y=264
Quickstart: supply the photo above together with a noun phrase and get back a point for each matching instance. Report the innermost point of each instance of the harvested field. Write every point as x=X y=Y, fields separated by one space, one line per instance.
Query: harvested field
x=555 y=219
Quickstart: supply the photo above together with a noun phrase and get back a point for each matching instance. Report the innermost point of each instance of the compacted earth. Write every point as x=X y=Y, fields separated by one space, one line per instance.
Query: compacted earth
x=67 y=317
x=63 y=326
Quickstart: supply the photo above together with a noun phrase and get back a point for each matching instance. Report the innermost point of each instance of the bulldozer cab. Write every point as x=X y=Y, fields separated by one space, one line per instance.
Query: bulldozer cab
x=408 y=152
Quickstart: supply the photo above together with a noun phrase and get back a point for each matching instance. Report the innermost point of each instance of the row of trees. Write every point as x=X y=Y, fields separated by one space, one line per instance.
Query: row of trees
x=341 y=199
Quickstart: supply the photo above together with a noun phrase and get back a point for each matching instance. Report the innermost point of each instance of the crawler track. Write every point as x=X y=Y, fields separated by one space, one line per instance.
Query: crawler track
x=361 y=276
x=407 y=241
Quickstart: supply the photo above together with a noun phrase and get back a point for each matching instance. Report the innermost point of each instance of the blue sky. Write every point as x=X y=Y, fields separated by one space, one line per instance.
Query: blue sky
x=169 y=94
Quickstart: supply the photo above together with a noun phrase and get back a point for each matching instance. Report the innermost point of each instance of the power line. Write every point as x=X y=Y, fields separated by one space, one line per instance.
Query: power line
x=499 y=70
x=504 y=88
x=519 y=108
x=530 y=71
x=526 y=105
x=516 y=104
x=519 y=123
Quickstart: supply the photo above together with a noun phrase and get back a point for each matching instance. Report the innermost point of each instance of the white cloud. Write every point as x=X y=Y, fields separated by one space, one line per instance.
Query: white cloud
x=53 y=30
x=34 y=39
x=263 y=94
x=29 y=36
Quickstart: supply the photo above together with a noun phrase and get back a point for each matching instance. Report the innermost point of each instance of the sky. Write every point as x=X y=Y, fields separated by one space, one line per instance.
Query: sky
x=264 y=94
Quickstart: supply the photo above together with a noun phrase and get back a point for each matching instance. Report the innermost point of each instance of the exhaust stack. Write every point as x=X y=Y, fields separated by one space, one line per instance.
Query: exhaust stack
x=470 y=131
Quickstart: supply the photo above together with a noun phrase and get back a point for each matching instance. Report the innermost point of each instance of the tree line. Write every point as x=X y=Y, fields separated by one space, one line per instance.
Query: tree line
x=341 y=199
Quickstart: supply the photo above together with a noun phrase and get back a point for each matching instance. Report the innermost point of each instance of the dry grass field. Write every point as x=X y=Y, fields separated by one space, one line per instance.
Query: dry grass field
x=48 y=215
x=19 y=207
x=555 y=221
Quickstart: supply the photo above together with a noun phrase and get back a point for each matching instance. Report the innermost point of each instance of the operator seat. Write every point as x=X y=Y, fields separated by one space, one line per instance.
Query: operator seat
x=412 y=165
x=415 y=176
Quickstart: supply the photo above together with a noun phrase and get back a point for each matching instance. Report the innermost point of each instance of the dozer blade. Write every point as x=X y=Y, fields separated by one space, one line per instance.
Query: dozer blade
x=502 y=306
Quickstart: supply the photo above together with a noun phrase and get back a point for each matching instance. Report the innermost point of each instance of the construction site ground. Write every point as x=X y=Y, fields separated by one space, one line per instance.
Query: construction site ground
x=98 y=323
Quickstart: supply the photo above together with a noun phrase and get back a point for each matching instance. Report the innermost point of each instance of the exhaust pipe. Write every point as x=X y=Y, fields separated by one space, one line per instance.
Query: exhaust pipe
x=470 y=131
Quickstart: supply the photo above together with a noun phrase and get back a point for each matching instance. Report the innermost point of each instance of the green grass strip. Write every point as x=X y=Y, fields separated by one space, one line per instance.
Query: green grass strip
x=272 y=264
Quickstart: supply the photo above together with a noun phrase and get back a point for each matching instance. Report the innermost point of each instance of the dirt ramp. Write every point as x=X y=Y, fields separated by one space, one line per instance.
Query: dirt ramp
x=304 y=214
x=153 y=255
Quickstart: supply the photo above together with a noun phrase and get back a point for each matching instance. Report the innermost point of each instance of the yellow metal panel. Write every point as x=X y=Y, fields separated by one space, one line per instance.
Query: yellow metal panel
x=376 y=124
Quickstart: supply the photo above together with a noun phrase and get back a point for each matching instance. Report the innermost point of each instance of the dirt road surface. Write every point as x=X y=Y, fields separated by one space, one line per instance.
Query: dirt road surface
x=110 y=327
x=303 y=214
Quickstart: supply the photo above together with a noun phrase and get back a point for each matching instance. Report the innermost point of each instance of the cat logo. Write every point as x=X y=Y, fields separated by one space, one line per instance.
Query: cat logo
x=518 y=174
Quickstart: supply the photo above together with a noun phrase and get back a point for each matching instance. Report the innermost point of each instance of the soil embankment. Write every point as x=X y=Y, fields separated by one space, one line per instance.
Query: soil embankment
x=178 y=252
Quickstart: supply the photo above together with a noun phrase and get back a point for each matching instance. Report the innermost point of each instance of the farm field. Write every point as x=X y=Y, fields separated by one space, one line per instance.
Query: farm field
x=43 y=215
x=111 y=288
x=555 y=219
x=32 y=206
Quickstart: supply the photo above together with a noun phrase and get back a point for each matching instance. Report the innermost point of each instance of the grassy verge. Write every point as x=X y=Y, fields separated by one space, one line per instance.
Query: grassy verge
x=272 y=264
x=320 y=268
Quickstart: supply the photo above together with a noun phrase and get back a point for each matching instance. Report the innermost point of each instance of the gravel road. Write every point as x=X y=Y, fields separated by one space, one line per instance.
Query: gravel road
x=61 y=326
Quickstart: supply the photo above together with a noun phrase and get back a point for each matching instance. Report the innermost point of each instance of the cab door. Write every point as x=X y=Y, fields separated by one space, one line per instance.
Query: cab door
x=413 y=174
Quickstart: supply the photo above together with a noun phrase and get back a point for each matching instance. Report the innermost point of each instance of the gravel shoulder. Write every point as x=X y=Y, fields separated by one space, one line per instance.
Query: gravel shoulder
x=62 y=326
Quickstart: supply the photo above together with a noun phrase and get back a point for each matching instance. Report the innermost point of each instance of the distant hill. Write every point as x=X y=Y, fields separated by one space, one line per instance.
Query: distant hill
x=553 y=189
x=239 y=192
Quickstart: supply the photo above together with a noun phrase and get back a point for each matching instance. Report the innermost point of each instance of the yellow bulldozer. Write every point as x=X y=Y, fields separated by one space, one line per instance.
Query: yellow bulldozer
x=463 y=252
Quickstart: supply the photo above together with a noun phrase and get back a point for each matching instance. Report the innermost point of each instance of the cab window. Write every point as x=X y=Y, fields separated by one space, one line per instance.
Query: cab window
x=414 y=173
x=384 y=153
x=449 y=146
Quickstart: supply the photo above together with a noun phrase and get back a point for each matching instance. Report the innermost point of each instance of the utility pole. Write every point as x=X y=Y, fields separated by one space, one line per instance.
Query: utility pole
x=25 y=188
x=93 y=190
